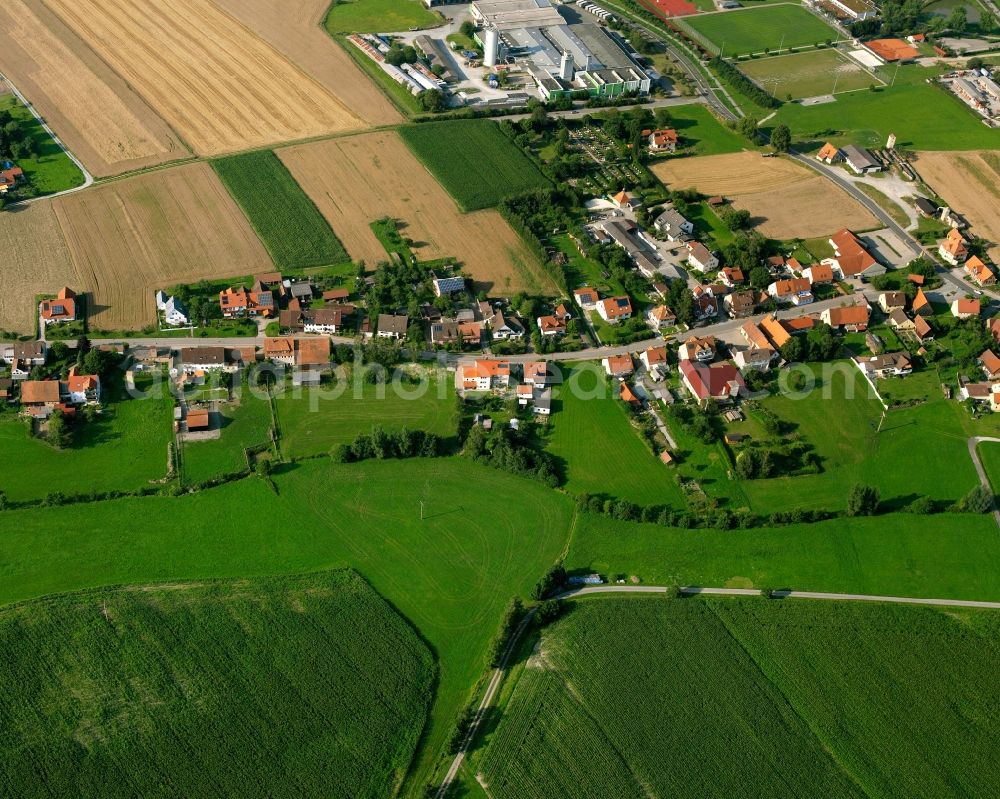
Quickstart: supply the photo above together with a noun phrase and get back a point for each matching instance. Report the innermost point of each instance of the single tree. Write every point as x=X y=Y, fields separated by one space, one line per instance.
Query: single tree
x=781 y=138
x=863 y=500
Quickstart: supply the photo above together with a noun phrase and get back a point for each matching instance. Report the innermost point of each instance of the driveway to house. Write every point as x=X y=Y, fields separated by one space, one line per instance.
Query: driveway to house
x=974 y=443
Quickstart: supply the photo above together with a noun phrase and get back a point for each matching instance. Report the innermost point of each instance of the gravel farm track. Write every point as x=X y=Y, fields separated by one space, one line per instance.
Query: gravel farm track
x=224 y=90
x=135 y=235
x=970 y=183
x=102 y=121
x=355 y=180
x=786 y=200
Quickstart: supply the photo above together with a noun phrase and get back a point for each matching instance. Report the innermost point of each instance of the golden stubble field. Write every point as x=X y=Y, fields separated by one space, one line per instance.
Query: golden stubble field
x=786 y=200
x=221 y=87
x=107 y=125
x=36 y=261
x=294 y=28
x=135 y=235
x=969 y=182
x=358 y=179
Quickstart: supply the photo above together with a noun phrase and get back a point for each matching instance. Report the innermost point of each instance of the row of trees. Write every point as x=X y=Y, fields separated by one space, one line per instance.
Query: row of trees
x=508 y=451
x=382 y=444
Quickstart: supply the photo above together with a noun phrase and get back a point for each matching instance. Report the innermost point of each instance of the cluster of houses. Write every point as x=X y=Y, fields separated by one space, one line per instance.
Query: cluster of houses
x=488 y=374
x=39 y=398
x=611 y=309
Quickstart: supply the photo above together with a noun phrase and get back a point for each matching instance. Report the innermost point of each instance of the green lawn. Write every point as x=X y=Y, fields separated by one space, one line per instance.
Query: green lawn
x=756 y=29
x=601 y=453
x=923 y=117
x=474 y=161
x=989 y=455
x=245 y=423
x=450 y=574
x=786 y=698
x=51 y=170
x=807 y=74
x=379 y=16
x=296 y=686
x=701 y=133
x=314 y=421
x=124 y=449
x=291 y=227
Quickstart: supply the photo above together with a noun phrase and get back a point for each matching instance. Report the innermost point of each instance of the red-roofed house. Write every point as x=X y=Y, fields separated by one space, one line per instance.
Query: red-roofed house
x=663 y=141
x=953 y=248
x=660 y=316
x=551 y=326
x=796 y=290
x=991 y=364
x=81 y=389
x=852 y=259
x=828 y=153
x=586 y=297
x=965 y=309
x=654 y=358
x=818 y=273
x=852 y=318
x=614 y=309
x=980 y=272
x=484 y=374
x=719 y=381
x=61 y=309
x=618 y=365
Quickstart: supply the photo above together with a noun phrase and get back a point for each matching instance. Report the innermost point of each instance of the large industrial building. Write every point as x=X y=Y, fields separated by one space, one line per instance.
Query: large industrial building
x=562 y=53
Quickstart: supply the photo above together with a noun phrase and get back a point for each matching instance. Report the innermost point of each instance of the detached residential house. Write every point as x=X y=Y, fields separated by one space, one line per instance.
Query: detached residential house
x=61 y=309
x=719 y=381
x=965 y=309
x=618 y=365
x=536 y=373
x=654 y=359
x=173 y=310
x=921 y=305
x=700 y=257
x=391 y=326
x=697 y=349
x=280 y=349
x=445 y=286
x=614 y=309
x=586 y=297
x=898 y=320
x=890 y=301
x=752 y=358
x=980 y=272
x=991 y=364
x=672 y=224
x=625 y=200
x=953 y=248
x=796 y=290
x=776 y=331
x=542 y=404
x=485 y=374
x=258 y=301
x=663 y=141
x=889 y=364
x=40 y=397
x=660 y=317
x=852 y=318
x=851 y=258
x=860 y=159
x=525 y=394
x=81 y=389
x=818 y=273
x=706 y=304
x=329 y=320
x=732 y=276
x=551 y=326
x=502 y=328
x=25 y=353
x=203 y=359
x=922 y=329
x=740 y=303
x=828 y=154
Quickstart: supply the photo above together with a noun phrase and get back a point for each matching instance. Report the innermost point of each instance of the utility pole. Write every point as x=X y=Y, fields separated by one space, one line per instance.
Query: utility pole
x=894 y=75
x=881 y=422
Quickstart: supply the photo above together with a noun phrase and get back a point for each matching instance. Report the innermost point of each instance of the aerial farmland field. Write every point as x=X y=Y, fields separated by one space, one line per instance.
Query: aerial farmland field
x=103 y=121
x=753 y=696
x=223 y=90
x=379 y=16
x=132 y=236
x=355 y=180
x=474 y=161
x=133 y=684
x=753 y=30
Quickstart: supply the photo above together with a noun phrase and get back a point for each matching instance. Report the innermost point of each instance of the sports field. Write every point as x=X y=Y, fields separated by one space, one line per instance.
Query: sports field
x=752 y=697
x=102 y=121
x=223 y=90
x=474 y=161
x=379 y=16
x=753 y=30
x=809 y=74
x=133 y=236
x=287 y=687
x=357 y=179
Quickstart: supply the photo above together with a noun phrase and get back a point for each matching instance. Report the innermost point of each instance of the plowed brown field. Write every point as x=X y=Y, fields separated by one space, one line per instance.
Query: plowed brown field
x=36 y=261
x=359 y=179
x=132 y=236
x=107 y=125
x=221 y=87
x=294 y=27
x=786 y=200
x=970 y=184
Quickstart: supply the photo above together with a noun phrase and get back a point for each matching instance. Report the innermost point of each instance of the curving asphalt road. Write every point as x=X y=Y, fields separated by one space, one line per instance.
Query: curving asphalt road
x=983 y=477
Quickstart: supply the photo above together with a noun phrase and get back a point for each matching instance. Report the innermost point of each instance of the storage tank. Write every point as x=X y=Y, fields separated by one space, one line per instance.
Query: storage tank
x=566 y=66
x=491 y=47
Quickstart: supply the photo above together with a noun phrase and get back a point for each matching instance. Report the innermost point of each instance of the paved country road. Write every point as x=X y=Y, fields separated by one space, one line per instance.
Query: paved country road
x=983 y=478
x=496 y=678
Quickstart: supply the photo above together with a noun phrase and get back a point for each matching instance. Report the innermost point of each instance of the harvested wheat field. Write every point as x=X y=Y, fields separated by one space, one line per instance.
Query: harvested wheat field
x=970 y=183
x=294 y=28
x=787 y=200
x=359 y=179
x=222 y=90
x=36 y=261
x=132 y=236
x=106 y=125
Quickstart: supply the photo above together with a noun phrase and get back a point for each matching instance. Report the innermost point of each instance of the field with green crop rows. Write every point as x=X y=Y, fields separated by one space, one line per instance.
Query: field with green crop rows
x=473 y=160
x=51 y=170
x=755 y=29
x=296 y=686
x=598 y=449
x=291 y=227
x=752 y=698
x=379 y=16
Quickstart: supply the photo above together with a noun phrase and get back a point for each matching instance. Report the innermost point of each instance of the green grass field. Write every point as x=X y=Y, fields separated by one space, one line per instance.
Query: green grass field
x=473 y=160
x=599 y=450
x=756 y=29
x=486 y=536
x=124 y=449
x=989 y=456
x=702 y=133
x=807 y=74
x=752 y=697
x=288 y=223
x=244 y=425
x=51 y=170
x=379 y=16
x=297 y=686
x=314 y=421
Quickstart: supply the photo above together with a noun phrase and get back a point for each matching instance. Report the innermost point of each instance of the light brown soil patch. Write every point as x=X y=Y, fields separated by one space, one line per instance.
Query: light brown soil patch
x=133 y=236
x=36 y=261
x=359 y=179
x=969 y=182
x=221 y=87
x=106 y=125
x=294 y=28
x=787 y=200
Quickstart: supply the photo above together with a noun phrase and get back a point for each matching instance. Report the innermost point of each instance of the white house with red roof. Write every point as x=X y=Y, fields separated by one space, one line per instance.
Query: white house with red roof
x=719 y=381
x=614 y=309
